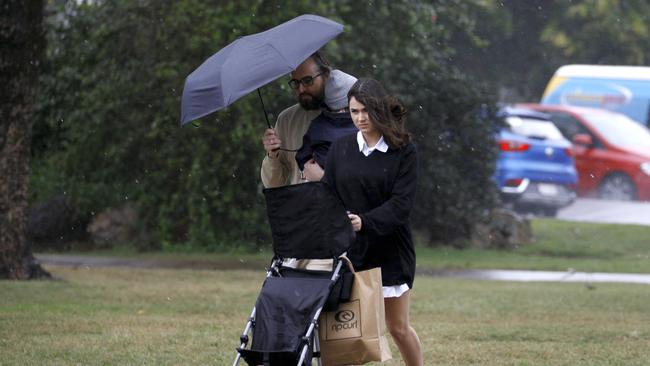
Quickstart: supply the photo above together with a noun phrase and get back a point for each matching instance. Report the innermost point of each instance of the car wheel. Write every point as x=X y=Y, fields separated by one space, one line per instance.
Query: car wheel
x=617 y=186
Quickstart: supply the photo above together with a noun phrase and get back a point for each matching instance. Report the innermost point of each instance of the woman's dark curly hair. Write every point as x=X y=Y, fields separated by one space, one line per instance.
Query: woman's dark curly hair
x=385 y=111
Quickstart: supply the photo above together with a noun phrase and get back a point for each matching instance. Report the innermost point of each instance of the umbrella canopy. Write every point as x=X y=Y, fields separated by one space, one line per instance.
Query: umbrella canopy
x=251 y=62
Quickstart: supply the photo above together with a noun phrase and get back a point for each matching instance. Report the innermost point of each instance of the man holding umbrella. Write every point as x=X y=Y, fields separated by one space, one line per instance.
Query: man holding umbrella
x=252 y=61
x=309 y=80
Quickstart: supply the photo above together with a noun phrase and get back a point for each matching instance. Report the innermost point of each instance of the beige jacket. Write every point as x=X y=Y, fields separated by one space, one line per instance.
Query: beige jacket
x=291 y=126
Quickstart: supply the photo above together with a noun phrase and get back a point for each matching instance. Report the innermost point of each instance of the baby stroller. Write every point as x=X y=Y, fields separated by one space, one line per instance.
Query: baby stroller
x=308 y=222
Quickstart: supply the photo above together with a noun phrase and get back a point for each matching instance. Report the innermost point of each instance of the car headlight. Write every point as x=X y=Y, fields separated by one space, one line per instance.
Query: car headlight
x=645 y=167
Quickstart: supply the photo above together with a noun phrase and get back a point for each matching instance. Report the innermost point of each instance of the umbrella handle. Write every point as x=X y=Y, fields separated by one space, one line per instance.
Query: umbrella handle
x=266 y=115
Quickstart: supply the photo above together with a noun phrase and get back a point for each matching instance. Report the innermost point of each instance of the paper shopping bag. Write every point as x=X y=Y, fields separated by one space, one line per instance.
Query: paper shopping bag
x=355 y=333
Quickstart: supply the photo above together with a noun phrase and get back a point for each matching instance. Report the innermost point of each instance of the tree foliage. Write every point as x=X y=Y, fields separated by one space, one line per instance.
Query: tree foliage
x=108 y=118
x=601 y=32
x=517 y=45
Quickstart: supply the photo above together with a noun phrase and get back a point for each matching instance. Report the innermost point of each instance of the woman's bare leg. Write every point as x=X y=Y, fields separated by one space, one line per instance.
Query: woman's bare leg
x=397 y=322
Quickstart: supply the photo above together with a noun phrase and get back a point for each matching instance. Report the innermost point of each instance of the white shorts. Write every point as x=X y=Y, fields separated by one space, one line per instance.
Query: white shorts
x=395 y=291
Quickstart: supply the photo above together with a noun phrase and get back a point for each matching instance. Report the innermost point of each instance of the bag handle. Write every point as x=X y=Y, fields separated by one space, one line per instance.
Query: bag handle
x=347 y=260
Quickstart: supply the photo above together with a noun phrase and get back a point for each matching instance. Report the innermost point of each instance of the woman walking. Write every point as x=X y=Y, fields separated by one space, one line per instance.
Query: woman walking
x=374 y=172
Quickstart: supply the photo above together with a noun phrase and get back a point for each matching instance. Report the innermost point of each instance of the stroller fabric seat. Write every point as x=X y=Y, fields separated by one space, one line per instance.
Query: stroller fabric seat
x=284 y=309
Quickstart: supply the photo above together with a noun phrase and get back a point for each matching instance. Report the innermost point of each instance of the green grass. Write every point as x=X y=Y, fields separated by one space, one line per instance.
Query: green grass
x=120 y=316
x=556 y=245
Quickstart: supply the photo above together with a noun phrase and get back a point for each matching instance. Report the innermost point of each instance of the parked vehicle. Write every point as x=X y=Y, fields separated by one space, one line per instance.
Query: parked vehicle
x=612 y=152
x=623 y=89
x=535 y=170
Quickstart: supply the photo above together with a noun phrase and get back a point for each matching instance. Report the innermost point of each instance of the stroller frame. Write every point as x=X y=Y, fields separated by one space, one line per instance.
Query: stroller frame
x=311 y=335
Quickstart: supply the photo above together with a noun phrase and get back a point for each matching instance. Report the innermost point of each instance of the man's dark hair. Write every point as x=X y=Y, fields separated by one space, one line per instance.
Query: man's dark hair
x=321 y=61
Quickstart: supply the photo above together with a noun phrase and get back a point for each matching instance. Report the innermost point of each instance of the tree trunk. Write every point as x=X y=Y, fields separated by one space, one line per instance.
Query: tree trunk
x=21 y=47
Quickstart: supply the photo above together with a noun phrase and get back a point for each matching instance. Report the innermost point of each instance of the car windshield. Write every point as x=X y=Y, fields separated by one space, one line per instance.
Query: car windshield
x=534 y=128
x=619 y=129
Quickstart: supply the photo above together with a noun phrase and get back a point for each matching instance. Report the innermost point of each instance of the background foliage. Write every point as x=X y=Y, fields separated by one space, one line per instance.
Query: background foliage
x=107 y=132
x=107 y=127
x=516 y=45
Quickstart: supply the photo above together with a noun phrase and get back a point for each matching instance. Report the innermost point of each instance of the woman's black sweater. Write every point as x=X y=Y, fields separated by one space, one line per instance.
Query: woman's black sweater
x=380 y=188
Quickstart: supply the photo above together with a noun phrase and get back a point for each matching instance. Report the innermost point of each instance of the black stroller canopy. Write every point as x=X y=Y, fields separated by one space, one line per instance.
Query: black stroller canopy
x=308 y=221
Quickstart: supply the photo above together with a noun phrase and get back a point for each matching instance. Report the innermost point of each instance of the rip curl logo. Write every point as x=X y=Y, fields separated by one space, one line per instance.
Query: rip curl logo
x=344 y=323
x=344 y=316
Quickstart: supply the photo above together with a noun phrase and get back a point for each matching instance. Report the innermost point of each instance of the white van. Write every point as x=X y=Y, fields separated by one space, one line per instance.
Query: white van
x=624 y=89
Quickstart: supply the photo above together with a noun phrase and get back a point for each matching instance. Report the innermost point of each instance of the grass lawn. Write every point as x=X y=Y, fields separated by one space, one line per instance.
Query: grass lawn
x=557 y=245
x=121 y=316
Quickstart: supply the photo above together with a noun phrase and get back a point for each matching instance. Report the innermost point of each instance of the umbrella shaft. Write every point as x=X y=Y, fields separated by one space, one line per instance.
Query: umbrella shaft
x=266 y=115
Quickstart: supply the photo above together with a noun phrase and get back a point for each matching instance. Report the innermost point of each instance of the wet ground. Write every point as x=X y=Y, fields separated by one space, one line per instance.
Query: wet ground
x=493 y=275
x=545 y=276
x=135 y=262
x=604 y=211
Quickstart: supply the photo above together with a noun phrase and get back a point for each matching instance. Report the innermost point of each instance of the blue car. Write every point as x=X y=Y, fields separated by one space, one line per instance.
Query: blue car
x=535 y=170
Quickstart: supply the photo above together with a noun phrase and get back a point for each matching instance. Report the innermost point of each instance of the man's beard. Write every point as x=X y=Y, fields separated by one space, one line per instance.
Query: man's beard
x=309 y=101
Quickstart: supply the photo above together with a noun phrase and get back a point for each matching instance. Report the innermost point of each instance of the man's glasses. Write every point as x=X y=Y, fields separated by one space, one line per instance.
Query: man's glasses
x=306 y=81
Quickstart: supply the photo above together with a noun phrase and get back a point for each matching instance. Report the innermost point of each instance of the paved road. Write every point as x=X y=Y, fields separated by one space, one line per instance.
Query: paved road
x=492 y=275
x=614 y=212
x=546 y=276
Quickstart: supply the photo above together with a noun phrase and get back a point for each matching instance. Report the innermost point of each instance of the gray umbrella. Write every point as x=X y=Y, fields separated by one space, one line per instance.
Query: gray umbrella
x=251 y=62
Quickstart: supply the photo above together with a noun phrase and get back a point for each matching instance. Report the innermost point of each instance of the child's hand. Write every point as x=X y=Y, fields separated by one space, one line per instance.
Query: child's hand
x=312 y=171
x=356 y=221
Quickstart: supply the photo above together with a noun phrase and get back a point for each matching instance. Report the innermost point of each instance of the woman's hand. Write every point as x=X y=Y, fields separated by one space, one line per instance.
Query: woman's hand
x=356 y=221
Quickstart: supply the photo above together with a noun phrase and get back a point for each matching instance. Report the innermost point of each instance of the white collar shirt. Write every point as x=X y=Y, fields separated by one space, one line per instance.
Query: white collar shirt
x=366 y=150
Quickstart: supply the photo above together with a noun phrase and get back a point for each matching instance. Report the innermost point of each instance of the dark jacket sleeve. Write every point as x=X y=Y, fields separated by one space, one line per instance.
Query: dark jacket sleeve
x=330 y=165
x=395 y=211
x=305 y=152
